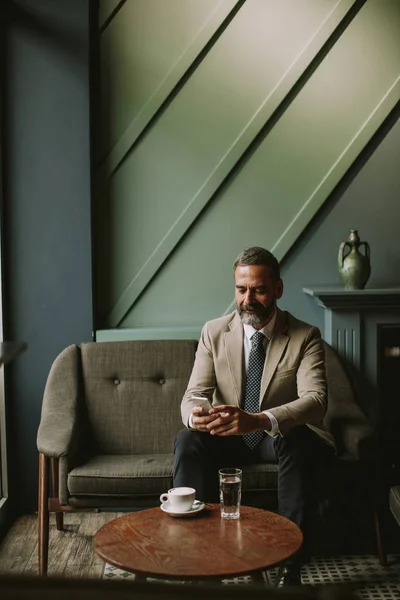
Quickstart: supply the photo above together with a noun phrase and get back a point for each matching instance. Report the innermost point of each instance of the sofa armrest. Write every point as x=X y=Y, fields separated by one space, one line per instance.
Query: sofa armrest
x=353 y=433
x=59 y=422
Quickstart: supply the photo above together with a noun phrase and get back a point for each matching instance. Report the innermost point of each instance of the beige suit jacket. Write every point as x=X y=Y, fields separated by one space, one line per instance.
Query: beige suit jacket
x=293 y=386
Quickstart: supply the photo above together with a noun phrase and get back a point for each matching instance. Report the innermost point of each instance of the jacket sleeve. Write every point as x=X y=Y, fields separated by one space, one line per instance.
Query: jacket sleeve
x=311 y=403
x=202 y=380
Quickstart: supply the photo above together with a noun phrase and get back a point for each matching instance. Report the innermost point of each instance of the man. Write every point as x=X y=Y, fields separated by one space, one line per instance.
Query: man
x=263 y=371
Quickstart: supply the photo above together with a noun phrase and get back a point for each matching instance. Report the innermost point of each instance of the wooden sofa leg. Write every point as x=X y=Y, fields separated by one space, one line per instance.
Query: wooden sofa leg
x=43 y=515
x=378 y=532
x=55 y=480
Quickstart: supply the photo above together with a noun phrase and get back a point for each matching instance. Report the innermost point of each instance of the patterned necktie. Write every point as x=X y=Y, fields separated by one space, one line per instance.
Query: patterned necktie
x=253 y=385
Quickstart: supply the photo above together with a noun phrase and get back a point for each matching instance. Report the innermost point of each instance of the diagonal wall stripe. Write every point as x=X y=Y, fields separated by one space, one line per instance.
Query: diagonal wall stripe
x=334 y=174
x=229 y=160
x=223 y=11
x=107 y=11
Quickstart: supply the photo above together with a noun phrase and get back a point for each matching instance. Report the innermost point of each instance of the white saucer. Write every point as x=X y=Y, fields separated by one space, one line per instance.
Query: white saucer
x=196 y=508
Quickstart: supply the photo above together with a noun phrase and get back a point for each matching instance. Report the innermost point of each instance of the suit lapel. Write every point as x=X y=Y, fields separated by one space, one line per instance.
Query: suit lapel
x=275 y=349
x=234 y=352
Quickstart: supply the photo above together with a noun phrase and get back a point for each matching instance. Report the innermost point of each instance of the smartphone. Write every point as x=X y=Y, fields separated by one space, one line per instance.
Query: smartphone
x=203 y=402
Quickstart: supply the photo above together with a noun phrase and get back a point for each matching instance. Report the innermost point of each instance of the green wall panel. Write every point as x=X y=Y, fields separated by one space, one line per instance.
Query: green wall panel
x=144 y=52
x=288 y=177
x=192 y=174
x=173 y=172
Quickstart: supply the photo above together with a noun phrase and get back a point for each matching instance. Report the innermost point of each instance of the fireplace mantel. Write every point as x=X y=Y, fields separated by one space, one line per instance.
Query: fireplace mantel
x=367 y=299
x=352 y=317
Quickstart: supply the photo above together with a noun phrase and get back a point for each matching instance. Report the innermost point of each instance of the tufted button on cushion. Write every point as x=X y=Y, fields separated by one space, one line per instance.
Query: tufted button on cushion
x=117 y=381
x=162 y=381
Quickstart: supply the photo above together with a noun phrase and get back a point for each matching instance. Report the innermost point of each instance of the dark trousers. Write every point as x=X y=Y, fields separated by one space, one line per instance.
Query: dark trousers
x=299 y=455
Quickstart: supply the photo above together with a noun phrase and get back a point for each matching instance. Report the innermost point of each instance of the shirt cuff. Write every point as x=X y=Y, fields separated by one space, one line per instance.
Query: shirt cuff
x=191 y=421
x=273 y=432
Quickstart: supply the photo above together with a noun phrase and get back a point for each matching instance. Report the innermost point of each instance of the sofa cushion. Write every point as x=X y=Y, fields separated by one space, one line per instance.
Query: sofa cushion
x=260 y=476
x=394 y=502
x=107 y=475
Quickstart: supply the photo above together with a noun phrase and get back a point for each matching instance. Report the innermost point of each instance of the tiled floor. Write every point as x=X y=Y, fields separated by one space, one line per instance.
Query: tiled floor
x=362 y=572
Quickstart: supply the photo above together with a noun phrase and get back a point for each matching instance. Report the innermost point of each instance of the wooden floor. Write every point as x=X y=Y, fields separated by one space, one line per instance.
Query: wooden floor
x=70 y=552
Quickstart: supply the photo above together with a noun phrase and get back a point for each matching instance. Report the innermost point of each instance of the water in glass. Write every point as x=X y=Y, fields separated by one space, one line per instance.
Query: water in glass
x=230 y=495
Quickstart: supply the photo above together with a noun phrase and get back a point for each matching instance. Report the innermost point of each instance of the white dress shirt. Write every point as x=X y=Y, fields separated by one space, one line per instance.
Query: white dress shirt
x=248 y=334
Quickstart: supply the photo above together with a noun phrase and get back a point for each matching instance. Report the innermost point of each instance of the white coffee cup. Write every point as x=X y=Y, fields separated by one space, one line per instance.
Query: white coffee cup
x=179 y=498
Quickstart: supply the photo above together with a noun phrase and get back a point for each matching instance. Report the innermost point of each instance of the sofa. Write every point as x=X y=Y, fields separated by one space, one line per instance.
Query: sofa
x=110 y=414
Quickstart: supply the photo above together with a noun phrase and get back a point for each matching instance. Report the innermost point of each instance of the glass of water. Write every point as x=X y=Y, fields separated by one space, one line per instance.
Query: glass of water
x=230 y=492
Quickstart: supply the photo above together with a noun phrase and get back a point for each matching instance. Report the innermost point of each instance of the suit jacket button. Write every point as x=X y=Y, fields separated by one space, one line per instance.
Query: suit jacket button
x=162 y=381
x=117 y=381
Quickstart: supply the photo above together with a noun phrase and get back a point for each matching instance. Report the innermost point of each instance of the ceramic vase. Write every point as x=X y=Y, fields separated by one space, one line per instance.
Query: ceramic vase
x=353 y=265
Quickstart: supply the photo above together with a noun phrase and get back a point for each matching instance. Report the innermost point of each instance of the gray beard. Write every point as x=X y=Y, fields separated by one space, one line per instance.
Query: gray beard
x=257 y=318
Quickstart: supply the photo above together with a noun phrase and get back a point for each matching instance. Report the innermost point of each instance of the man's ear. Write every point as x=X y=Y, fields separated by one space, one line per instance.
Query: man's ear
x=278 y=289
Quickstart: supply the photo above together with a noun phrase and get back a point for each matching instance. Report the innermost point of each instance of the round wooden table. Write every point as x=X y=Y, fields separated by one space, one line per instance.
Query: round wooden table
x=152 y=543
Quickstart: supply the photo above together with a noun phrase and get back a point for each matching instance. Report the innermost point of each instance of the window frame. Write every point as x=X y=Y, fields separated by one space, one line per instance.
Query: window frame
x=4 y=488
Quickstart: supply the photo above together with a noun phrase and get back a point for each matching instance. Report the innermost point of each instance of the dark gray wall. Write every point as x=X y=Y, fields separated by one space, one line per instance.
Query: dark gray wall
x=47 y=212
x=368 y=199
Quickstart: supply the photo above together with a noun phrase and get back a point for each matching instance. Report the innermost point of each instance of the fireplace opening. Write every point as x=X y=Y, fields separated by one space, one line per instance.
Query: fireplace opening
x=388 y=380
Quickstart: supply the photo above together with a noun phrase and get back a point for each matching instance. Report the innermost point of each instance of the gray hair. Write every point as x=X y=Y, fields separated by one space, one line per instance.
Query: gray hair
x=258 y=256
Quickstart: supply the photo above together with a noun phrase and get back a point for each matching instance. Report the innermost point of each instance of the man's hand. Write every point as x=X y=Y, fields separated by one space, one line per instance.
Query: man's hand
x=201 y=419
x=235 y=421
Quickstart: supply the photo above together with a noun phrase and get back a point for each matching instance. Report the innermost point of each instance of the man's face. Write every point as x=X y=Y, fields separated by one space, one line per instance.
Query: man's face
x=256 y=294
